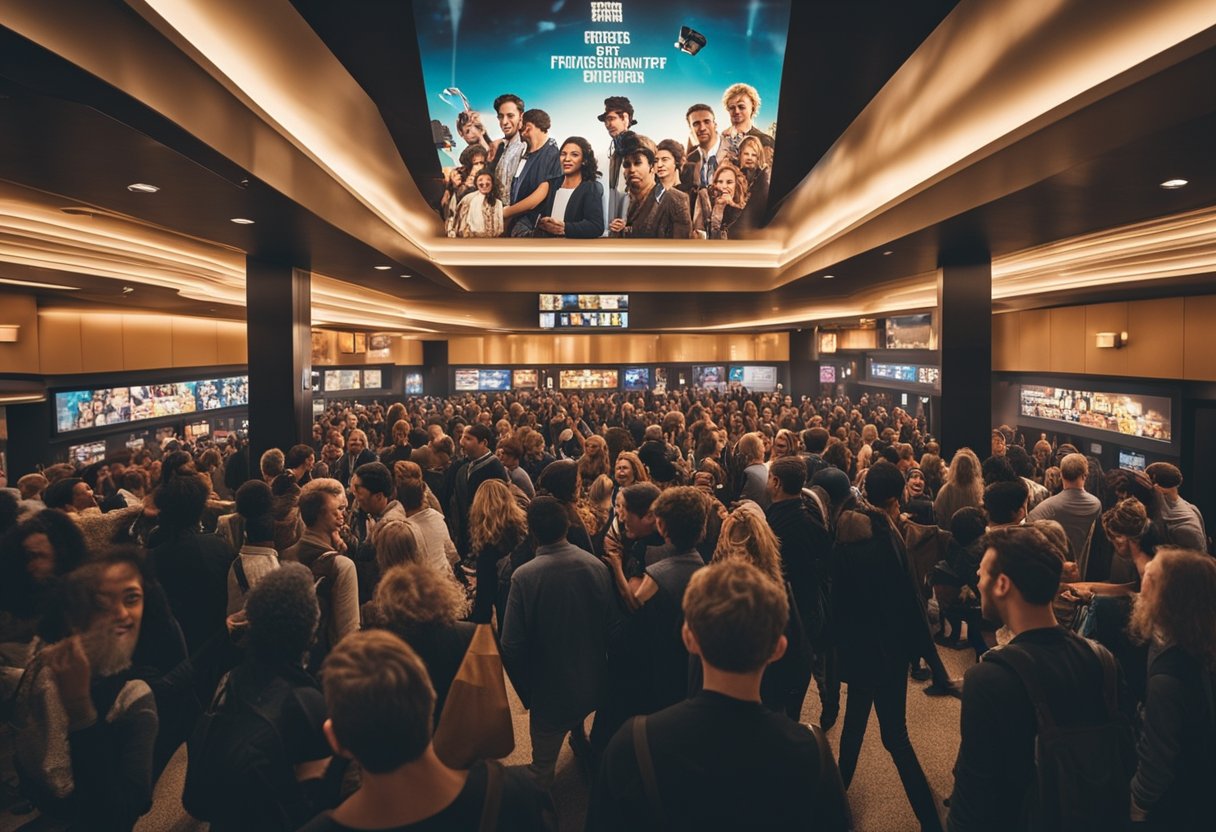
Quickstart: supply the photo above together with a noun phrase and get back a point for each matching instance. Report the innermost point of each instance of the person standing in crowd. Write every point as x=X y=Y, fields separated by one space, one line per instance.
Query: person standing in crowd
x=538 y=167
x=742 y=103
x=1074 y=508
x=617 y=119
x=720 y=760
x=1174 y=614
x=478 y=466
x=881 y=626
x=496 y=526
x=298 y=462
x=719 y=207
x=1181 y=521
x=479 y=212
x=372 y=485
x=995 y=774
x=561 y=615
x=357 y=454
x=506 y=153
x=380 y=700
x=668 y=163
x=510 y=451
x=650 y=213
x=436 y=548
x=750 y=450
x=574 y=205
x=257 y=556
x=964 y=487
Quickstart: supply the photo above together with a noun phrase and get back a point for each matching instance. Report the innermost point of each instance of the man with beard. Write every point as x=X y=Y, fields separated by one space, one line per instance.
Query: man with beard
x=650 y=212
x=996 y=766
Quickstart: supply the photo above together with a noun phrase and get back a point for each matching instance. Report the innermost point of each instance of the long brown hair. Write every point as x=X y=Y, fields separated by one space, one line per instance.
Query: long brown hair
x=1176 y=607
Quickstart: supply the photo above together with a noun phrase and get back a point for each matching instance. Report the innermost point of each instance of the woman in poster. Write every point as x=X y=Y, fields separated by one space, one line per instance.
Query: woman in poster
x=753 y=161
x=575 y=197
x=720 y=205
x=479 y=213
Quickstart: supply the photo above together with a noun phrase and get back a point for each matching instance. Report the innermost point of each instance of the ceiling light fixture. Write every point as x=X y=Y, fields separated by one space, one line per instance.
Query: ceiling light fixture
x=1174 y=184
x=242 y=221
x=126 y=290
x=142 y=188
x=381 y=268
x=829 y=277
x=887 y=253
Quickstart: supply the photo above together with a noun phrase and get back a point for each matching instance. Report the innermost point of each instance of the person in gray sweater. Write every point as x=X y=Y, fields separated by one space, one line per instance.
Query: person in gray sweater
x=1074 y=508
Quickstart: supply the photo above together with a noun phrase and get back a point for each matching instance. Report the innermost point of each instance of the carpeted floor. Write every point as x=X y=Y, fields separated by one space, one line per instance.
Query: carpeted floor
x=876 y=795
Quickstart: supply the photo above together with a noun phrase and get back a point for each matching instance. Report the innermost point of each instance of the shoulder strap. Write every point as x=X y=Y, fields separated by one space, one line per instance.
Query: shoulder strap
x=1023 y=666
x=641 y=749
x=238 y=569
x=489 y=810
x=1110 y=677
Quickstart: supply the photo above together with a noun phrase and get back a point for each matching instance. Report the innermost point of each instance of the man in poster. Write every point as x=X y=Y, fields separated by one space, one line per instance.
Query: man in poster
x=617 y=118
x=651 y=211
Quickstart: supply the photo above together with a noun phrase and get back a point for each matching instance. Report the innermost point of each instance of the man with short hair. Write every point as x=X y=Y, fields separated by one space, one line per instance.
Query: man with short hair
x=1005 y=502
x=1181 y=521
x=373 y=487
x=996 y=767
x=814 y=442
x=561 y=615
x=617 y=119
x=742 y=103
x=508 y=150
x=723 y=760
x=381 y=700
x=510 y=452
x=322 y=549
x=271 y=465
x=648 y=213
x=530 y=180
x=400 y=449
x=298 y=462
x=357 y=455
x=478 y=466
x=134 y=487
x=1074 y=508
x=702 y=161
x=639 y=543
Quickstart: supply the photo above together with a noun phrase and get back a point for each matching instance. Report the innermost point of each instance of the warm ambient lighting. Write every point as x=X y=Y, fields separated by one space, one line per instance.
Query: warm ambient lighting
x=1111 y=340
x=405 y=277
x=829 y=277
x=142 y=188
x=1174 y=184
x=381 y=268
x=9 y=333
x=242 y=221
x=13 y=282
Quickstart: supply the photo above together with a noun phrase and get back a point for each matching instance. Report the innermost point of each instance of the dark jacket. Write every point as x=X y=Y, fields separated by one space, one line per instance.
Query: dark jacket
x=345 y=467
x=441 y=647
x=806 y=559
x=192 y=569
x=462 y=483
x=660 y=215
x=584 y=214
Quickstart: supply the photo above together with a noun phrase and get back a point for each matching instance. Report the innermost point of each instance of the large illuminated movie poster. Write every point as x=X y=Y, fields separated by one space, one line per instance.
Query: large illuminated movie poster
x=567 y=57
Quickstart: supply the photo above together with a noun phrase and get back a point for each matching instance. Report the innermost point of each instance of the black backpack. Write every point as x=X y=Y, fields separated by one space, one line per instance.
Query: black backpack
x=1083 y=772
x=238 y=774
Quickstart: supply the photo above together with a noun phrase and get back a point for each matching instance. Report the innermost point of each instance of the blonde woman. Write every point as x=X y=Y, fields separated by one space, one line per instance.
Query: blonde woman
x=785 y=443
x=594 y=462
x=596 y=507
x=629 y=469
x=964 y=486
x=496 y=526
x=746 y=535
x=869 y=435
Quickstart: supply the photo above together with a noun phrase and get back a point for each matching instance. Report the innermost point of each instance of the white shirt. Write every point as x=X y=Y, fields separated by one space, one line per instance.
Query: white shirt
x=705 y=157
x=560 y=200
x=433 y=540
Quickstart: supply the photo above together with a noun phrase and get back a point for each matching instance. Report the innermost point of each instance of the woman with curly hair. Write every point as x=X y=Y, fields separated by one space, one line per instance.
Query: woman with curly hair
x=496 y=526
x=746 y=534
x=964 y=486
x=425 y=609
x=574 y=207
x=1175 y=616
x=785 y=443
x=719 y=206
x=593 y=463
x=479 y=212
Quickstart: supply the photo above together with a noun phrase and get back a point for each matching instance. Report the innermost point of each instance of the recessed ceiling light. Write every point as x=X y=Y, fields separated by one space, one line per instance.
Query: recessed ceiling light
x=1174 y=184
x=887 y=253
x=774 y=308
x=142 y=188
x=126 y=290
x=406 y=276
x=381 y=268
x=829 y=277
x=242 y=221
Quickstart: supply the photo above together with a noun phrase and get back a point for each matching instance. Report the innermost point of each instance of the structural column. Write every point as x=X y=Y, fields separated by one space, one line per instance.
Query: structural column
x=279 y=322
x=964 y=303
x=435 y=368
x=803 y=366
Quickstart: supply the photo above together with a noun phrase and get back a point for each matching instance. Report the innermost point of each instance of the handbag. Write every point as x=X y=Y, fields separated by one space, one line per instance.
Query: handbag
x=476 y=720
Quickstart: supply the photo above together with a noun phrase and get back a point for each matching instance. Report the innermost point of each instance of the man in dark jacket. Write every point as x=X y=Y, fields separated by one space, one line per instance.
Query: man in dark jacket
x=806 y=552
x=357 y=453
x=479 y=465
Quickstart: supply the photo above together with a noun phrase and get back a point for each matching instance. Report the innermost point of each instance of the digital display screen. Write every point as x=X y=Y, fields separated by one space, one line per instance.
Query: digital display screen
x=759 y=379
x=712 y=377
x=582 y=303
x=827 y=342
x=637 y=378
x=567 y=58
x=1132 y=461
x=469 y=380
x=372 y=379
x=345 y=379
x=197 y=430
x=1145 y=417
x=911 y=332
x=88 y=453
x=827 y=374
x=466 y=380
x=589 y=379
x=318 y=407
x=660 y=379
x=84 y=409
x=524 y=379
x=584 y=320
x=413 y=384
x=904 y=373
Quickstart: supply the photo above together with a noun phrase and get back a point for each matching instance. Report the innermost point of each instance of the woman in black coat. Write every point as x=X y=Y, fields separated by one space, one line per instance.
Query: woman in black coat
x=574 y=207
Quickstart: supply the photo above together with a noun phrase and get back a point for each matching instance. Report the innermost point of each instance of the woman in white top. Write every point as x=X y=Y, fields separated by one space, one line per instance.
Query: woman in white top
x=574 y=207
x=479 y=213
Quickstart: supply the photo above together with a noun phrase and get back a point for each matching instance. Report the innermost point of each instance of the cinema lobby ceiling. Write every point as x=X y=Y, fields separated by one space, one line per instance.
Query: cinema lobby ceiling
x=1038 y=132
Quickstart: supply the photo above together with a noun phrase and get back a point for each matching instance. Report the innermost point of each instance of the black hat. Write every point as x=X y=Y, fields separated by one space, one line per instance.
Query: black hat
x=631 y=142
x=617 y=104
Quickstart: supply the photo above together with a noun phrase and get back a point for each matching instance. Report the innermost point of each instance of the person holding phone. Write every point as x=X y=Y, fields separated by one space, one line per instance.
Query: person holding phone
x=719 y=207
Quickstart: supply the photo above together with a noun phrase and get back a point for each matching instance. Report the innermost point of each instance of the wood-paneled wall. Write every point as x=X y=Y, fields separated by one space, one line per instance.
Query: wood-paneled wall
x=618 y=348
x=405 y=352
x=102 y=342
x=1168 y=338
x=21 y=356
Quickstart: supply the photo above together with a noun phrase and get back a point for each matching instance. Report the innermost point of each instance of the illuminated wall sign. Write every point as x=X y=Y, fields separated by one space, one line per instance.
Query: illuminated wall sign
x=1144 y=417
x=102 y=407
x=904 y=373
x=589 y=379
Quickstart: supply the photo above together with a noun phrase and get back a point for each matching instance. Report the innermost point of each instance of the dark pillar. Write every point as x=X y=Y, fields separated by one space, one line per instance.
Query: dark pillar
x=29 y=444
x=964 y=305
x=435 y=368
x=803 y=366
x=279 y=321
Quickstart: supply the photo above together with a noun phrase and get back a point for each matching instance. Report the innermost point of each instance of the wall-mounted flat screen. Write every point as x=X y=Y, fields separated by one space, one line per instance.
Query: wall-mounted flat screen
x=904 y=373
x=589 y=379
x=373 y=379
x=584 y=320
x=827 y=374
x=318 y=407
x=494 y=379
x=84 y=409
x=548 y=320
x=759 y=379
x=316 y=381
x=911 y=332
x=583 y=303
x=1129 y=414
x=711 y=376
x=525 y=379
x=466 y=380
x=827 y=342
x=1132 y=460
x=343 y=380
x=928 y=375
x=88 y=453
x=660 y=379
x=637 y=378
x=413 y=384
x=195 y=431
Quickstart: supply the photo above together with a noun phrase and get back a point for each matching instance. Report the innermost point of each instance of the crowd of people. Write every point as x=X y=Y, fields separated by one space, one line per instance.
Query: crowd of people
x=680 y=568
x=712 y=184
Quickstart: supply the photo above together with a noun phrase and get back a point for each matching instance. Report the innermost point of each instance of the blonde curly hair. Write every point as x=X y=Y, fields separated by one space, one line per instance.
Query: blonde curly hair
x=413 y=594
x=746 y=534
x=494 y=515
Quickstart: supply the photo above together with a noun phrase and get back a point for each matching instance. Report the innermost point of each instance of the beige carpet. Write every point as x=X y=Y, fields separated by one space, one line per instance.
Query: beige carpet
x=876 y=795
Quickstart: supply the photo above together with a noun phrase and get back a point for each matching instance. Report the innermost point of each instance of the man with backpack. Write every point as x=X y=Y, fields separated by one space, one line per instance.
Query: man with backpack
x=1045 y=745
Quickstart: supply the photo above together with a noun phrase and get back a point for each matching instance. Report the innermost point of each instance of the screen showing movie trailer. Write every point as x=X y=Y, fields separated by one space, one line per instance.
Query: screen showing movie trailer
x=713 y=377
x=343 y=380
x=910 y=332
x=637 y=378
x=84 y=409
x=686 y=92
x=373 y=379
x=525 y=379
x=589 y=379
x=87 y=453
x=759 y=379
x=468 y=380
x=1129 y=414
x=413 y=384
x=905 y=373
